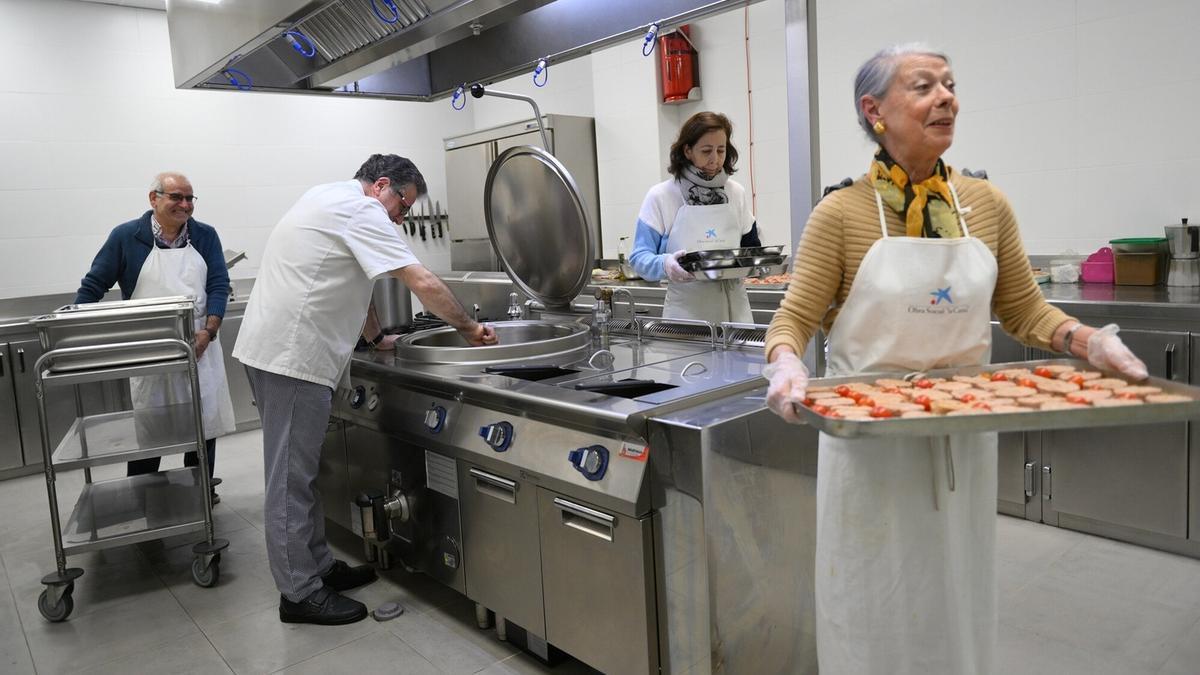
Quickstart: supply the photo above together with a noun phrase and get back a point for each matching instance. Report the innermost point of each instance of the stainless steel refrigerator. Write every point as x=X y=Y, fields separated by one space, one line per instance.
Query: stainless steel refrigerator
x=468 y=158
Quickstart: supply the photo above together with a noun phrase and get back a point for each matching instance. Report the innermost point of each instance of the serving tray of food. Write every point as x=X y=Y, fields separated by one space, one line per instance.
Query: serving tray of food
x=1022 y=396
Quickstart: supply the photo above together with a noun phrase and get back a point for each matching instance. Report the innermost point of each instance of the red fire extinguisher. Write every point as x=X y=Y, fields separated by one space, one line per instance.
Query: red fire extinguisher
x=680 y=65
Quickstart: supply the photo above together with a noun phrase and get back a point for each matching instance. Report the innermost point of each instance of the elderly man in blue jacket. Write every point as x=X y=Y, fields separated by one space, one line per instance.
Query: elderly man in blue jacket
x=166 y=252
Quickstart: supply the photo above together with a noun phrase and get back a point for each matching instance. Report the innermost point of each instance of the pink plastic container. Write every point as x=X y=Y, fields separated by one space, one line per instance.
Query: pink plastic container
x=1096 y=272
x=1098 y=268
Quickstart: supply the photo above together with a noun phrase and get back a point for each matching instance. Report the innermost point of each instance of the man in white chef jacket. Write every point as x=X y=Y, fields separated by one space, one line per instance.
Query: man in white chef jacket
x=304 y=316
x=167 y=252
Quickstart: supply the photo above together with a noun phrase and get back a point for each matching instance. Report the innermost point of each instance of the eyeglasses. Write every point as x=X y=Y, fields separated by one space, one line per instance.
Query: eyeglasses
x=177 y=196
x=405 y=205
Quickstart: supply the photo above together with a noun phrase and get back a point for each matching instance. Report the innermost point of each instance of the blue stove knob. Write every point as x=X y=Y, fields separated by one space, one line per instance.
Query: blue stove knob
x=591 y=461
x=498 y=436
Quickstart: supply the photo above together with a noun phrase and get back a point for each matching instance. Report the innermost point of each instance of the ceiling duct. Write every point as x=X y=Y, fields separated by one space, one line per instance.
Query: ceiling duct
x=399 y=49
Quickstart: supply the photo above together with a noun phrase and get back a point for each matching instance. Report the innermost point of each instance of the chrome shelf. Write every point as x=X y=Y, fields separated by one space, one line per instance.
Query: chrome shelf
x=57 y=378
x=127 y=435
x=137 y=508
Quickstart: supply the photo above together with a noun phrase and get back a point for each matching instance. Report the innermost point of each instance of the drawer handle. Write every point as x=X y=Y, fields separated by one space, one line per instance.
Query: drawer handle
x=495 y=486
x=1 y=364
x=1169 y=353
x=21 y=357
x=588 y=521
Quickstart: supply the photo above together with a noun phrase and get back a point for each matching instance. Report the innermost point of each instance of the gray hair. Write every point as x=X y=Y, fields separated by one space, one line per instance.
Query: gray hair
x=875 y=76
x=156 y=185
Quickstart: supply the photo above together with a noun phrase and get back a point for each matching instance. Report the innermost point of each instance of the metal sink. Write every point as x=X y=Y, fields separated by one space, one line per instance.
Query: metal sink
x=518 y=340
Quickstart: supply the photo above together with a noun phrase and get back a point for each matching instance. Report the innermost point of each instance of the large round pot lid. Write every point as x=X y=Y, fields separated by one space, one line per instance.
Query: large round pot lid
x=538 y=225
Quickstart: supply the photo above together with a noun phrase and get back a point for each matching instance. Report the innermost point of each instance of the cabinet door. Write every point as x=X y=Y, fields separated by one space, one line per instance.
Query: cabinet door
x=1133 y=477
x=500 y=544
x=598 y=564
x=466 y=173
x=1011 y=497
x=10 y=437
x=244 y=412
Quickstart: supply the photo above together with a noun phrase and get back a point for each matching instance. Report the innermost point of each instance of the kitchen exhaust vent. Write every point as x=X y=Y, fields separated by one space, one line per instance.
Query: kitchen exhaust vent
x=399 y=49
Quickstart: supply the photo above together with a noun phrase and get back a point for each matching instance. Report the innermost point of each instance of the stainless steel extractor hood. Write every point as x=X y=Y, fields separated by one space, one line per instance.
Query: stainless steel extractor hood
x=400 y=49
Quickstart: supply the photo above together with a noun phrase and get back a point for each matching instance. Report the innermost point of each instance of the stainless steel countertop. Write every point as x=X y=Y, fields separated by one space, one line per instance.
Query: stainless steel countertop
x=15 y=313
x=724 y=372
x=1088 y=300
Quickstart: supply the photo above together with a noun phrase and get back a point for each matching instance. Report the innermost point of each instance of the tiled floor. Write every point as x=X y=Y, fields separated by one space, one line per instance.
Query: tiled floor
x=1069 y=603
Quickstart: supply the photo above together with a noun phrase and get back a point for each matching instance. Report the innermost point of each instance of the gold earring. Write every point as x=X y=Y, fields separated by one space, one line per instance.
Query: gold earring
x=879 y=127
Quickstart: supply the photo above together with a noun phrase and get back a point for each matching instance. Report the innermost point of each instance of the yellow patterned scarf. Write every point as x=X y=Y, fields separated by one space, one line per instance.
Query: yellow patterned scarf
x=927 y=207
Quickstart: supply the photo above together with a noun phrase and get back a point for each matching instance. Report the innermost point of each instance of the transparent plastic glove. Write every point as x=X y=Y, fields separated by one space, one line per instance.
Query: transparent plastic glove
x=789 y=381
x=674 y=270
x=1107 y=352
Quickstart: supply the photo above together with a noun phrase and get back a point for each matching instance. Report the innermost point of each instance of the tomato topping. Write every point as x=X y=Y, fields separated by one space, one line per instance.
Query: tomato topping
x=966 y=398
x=892 y=390
x=834 y=413
x=923 y=400
x=1076 y=398
x=1043 y=371
x=880 y=411
x=866 y=401
x=923 y=384
x=999 y=377
x=843 y=390
x=981 y=405
x=1077 y=379
x=820 y=409
x=808 y=402
x=1026 y=382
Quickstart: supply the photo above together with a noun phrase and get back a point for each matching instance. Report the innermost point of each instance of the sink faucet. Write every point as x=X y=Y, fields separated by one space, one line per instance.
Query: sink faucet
x=633 y=323
x=601 y=313
x=515 y=311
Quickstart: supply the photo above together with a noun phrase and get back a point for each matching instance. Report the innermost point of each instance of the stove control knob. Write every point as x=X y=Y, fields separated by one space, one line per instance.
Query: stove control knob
x=358 y=396
x=498 y=436
x=591 y=461
x=372 y=402
x=435 y=419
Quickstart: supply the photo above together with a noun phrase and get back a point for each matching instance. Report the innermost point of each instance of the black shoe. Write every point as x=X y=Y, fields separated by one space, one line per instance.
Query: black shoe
x=324 y=607
x=216 y=498
x=342 y=577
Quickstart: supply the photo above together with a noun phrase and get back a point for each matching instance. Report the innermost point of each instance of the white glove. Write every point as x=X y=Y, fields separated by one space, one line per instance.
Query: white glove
x=674 y=270
x=789 y=382
x=1106 y=351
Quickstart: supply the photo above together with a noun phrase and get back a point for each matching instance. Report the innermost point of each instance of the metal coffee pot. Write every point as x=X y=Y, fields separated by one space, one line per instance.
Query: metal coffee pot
x=1184 y=240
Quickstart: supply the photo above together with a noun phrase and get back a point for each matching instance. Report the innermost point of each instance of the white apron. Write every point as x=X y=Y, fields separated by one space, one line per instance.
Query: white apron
x=702 y=228
x=182 y=271
x=905 y=577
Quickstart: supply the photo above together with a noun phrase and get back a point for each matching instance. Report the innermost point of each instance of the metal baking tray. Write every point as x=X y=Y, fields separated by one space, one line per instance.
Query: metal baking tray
x=721 y=273
x=726 y=253
x=744 y=261
x=1032 y=420
x=103 y=323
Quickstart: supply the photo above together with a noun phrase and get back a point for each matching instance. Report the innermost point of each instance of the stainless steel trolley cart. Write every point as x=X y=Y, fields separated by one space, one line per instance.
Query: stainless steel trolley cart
x=105 y=341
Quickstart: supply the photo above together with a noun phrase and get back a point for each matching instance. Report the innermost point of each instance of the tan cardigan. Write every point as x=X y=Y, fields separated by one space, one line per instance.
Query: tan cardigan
x=845 y=224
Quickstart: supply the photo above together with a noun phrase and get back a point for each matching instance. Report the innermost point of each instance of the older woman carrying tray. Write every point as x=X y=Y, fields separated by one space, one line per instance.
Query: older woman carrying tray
x=904 y=269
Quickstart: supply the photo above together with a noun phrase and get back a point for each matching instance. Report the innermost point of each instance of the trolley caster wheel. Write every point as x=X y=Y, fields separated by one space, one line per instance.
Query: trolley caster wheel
x=56 y=612
x=206 y=576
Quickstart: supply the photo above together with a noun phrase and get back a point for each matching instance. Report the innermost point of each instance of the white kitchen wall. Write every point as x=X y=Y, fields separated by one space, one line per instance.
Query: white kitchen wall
x=619 y=88
x=89 y=113
x=1080 y=110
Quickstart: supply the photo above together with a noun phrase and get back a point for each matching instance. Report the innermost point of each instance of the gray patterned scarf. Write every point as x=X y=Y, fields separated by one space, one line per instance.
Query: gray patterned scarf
x=701 y=190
